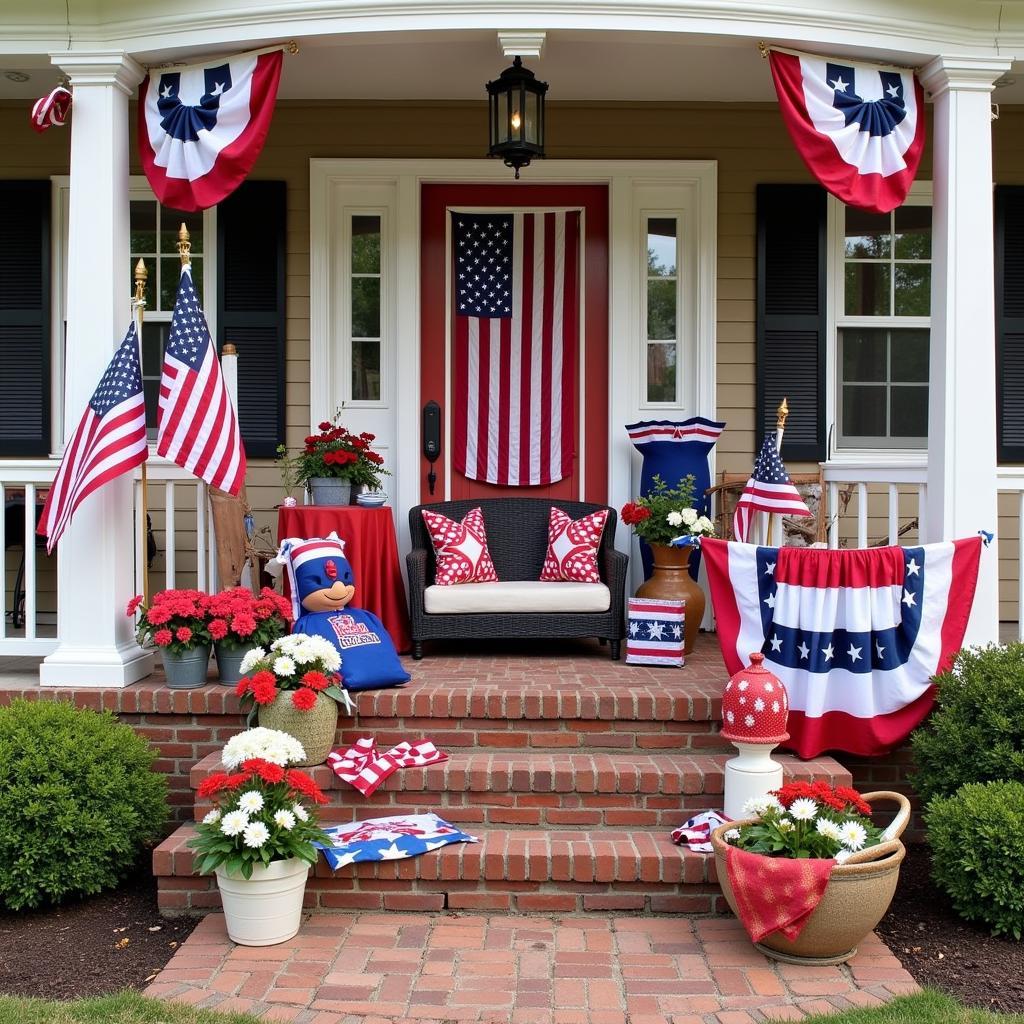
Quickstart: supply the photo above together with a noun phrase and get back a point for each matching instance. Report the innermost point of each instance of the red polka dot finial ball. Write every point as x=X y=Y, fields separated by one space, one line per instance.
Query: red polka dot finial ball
x=755 y=705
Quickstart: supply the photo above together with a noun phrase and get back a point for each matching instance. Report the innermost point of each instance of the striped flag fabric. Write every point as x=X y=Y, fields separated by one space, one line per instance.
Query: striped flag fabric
x=363 y=767
x=516 y=278
x=855 y=634
x=769 y=489
x=655 y=632
x=197 y=428
x=110 y=440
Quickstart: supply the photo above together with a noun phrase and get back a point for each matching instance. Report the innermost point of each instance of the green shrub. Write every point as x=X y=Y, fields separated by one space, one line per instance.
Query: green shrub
x=976 y=837
x=976 y=732
x=78 y=799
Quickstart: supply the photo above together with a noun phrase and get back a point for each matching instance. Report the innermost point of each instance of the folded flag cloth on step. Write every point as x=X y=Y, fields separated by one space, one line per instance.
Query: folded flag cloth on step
x=775 y=894
x=696 y=832
x=388 y=838
x=365 y=769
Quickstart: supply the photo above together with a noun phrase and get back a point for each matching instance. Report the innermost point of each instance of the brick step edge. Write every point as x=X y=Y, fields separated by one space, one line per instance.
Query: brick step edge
x=519 y=872
x=577 y=790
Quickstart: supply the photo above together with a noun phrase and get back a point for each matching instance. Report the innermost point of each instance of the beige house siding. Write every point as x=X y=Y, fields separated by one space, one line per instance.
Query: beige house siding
x=748 y=141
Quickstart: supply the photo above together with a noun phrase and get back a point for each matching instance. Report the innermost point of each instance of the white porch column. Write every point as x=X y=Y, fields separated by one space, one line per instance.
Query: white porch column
x=962 y=397
x=96 y=554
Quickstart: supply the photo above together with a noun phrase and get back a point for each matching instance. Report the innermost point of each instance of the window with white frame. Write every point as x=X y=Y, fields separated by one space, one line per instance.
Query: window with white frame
x=661 y=311
x=365 y=279
x=883 y=319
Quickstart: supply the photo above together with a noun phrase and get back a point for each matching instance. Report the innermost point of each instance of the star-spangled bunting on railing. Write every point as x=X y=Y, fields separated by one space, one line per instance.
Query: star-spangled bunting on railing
x=858 y=127
x=856 y=635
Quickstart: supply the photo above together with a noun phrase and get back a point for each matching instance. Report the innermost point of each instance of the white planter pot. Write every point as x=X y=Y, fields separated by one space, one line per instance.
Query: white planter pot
x=267 y=908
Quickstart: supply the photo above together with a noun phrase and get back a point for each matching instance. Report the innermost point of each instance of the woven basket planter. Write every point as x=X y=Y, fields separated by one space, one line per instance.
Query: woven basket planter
x=858 y=894
x=314 y=729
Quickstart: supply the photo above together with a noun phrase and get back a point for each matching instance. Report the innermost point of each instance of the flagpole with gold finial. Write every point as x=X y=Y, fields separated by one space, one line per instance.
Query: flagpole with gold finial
x=780 y=428
x=139 y=304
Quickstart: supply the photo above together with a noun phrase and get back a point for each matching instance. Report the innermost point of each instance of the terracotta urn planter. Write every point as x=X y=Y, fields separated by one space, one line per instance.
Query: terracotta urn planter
x=314 y=729
x=858 y=894
x=672 y=581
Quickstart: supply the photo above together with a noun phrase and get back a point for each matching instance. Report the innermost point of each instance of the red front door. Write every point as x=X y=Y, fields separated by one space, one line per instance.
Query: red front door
x=588 y=476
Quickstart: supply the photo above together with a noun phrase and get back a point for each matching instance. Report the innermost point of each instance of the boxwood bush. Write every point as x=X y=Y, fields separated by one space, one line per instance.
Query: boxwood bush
x=976 y=837
x=976 y=732
x=78 y=800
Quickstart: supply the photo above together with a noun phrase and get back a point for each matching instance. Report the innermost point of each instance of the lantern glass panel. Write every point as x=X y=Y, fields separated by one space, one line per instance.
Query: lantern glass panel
x=531 y=123
x=508 y=129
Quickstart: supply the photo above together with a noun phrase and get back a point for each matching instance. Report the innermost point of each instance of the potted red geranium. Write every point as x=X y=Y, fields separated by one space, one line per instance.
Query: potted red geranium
x=177 y=622
x=333 y=464
x=240 y=621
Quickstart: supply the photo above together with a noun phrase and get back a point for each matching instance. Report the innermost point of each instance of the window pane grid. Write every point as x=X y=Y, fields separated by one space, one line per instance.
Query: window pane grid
x=661 y=310
x=365 y=279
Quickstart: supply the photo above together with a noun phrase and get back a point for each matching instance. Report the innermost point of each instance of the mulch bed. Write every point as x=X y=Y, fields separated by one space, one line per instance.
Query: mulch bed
x=945 y=952
x=91 y=947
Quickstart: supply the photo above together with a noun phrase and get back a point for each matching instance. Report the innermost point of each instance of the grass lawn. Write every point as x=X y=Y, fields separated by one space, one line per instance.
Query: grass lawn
x=130 y=1008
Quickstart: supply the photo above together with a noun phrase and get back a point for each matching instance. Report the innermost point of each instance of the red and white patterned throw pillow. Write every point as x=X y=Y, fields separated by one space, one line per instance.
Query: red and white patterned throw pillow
x=572 y=547
x=460 y=549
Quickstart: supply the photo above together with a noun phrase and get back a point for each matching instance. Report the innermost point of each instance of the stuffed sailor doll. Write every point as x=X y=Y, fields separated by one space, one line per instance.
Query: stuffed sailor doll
x=322 y=590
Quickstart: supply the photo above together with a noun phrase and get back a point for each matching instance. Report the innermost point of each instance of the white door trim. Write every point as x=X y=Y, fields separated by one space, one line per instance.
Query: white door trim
x=623 y=177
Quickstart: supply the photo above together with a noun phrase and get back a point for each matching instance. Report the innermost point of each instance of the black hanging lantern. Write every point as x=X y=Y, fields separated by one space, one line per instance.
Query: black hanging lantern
x=517 y=116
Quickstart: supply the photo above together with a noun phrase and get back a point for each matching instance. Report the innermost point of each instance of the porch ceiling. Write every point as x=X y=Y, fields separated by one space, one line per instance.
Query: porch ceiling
x=450 y=65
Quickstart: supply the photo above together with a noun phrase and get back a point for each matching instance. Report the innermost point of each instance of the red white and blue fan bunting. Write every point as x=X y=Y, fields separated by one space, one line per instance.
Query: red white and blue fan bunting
x=856 y=635
x=201 y=127
x=858 y=127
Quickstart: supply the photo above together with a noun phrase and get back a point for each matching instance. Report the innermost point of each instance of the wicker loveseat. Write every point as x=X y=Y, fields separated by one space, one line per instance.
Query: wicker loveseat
x=517 y=536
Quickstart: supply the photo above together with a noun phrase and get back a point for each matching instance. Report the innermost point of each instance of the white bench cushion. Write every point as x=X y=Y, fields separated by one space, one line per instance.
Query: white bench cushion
x=517 y=596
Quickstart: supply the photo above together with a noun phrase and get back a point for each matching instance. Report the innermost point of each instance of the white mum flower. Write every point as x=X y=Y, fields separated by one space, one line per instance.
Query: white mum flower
x=251 y=658
x=284 y=667
x=785 y=825
x=233 y=822
x=255 y=834
x=732 y=835
x=251 y=802
x=285 y=820
x=757 y=805
x=804 y=809
x=852 y=835
x=690 y=516
x=705 y=525
x=212 y=818
x=300 y=812
x=828 y=828
x=674 y=519
x=270 y=744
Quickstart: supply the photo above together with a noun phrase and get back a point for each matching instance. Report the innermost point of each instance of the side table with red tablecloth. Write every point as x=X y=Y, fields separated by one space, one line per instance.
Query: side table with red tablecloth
x=372 y=549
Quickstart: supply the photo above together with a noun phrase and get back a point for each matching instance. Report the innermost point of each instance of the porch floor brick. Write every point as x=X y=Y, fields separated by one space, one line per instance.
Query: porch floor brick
x=394 y=968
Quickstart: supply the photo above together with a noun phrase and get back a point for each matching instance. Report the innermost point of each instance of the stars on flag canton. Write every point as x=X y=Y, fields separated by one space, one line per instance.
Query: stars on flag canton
x=655 y=629
x=189 y=336
x=483 y=264
x=854 y=651
x=122 y=379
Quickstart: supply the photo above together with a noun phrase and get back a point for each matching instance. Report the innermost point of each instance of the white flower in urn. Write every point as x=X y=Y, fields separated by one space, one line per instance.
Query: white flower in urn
x=674 y=518
x=689 y=516
x=705 y=525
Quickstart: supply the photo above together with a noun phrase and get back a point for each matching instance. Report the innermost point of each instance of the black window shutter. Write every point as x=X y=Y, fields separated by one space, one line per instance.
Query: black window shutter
x=791 y=266
x=25 y=318
x=1009 y=295
x=251 y=307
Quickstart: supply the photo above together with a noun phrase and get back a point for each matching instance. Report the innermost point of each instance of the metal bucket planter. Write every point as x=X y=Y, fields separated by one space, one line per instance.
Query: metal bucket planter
x=314 y=729
x=267 y=908
x=858 y=894
x=229 y=662
x=329 y=490
x=187 y=670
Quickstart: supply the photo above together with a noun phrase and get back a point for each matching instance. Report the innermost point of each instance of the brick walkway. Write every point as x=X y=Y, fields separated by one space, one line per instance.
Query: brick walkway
x=441 y=969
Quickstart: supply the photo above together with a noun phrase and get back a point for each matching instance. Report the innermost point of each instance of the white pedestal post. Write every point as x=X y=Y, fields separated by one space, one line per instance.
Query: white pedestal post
x=96 y=554
x=962 y=397
x=749 y=775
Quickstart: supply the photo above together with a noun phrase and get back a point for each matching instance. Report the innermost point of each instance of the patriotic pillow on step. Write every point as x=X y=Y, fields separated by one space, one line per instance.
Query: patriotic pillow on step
x=460 y=549
x=572 y=547
x=655 y=632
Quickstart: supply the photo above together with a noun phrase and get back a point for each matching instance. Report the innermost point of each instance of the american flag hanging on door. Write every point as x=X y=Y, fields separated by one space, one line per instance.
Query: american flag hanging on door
x=516 y=279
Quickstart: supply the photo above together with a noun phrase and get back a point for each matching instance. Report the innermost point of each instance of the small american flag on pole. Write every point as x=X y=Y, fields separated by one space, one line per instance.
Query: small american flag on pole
x=196 y=424
x=110 y=440
x=516 y=331
x=768 y=490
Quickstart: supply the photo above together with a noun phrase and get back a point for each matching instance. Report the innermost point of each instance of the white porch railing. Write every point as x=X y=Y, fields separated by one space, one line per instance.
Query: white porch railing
x=866 y=481
x=182 y=528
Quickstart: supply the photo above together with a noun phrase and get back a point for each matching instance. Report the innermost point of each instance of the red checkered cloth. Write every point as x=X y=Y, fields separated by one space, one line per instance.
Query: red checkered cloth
x=365 y=769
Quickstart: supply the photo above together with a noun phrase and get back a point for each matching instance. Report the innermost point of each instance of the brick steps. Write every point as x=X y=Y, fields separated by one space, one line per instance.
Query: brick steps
x=513 y=870
x=557 y=790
